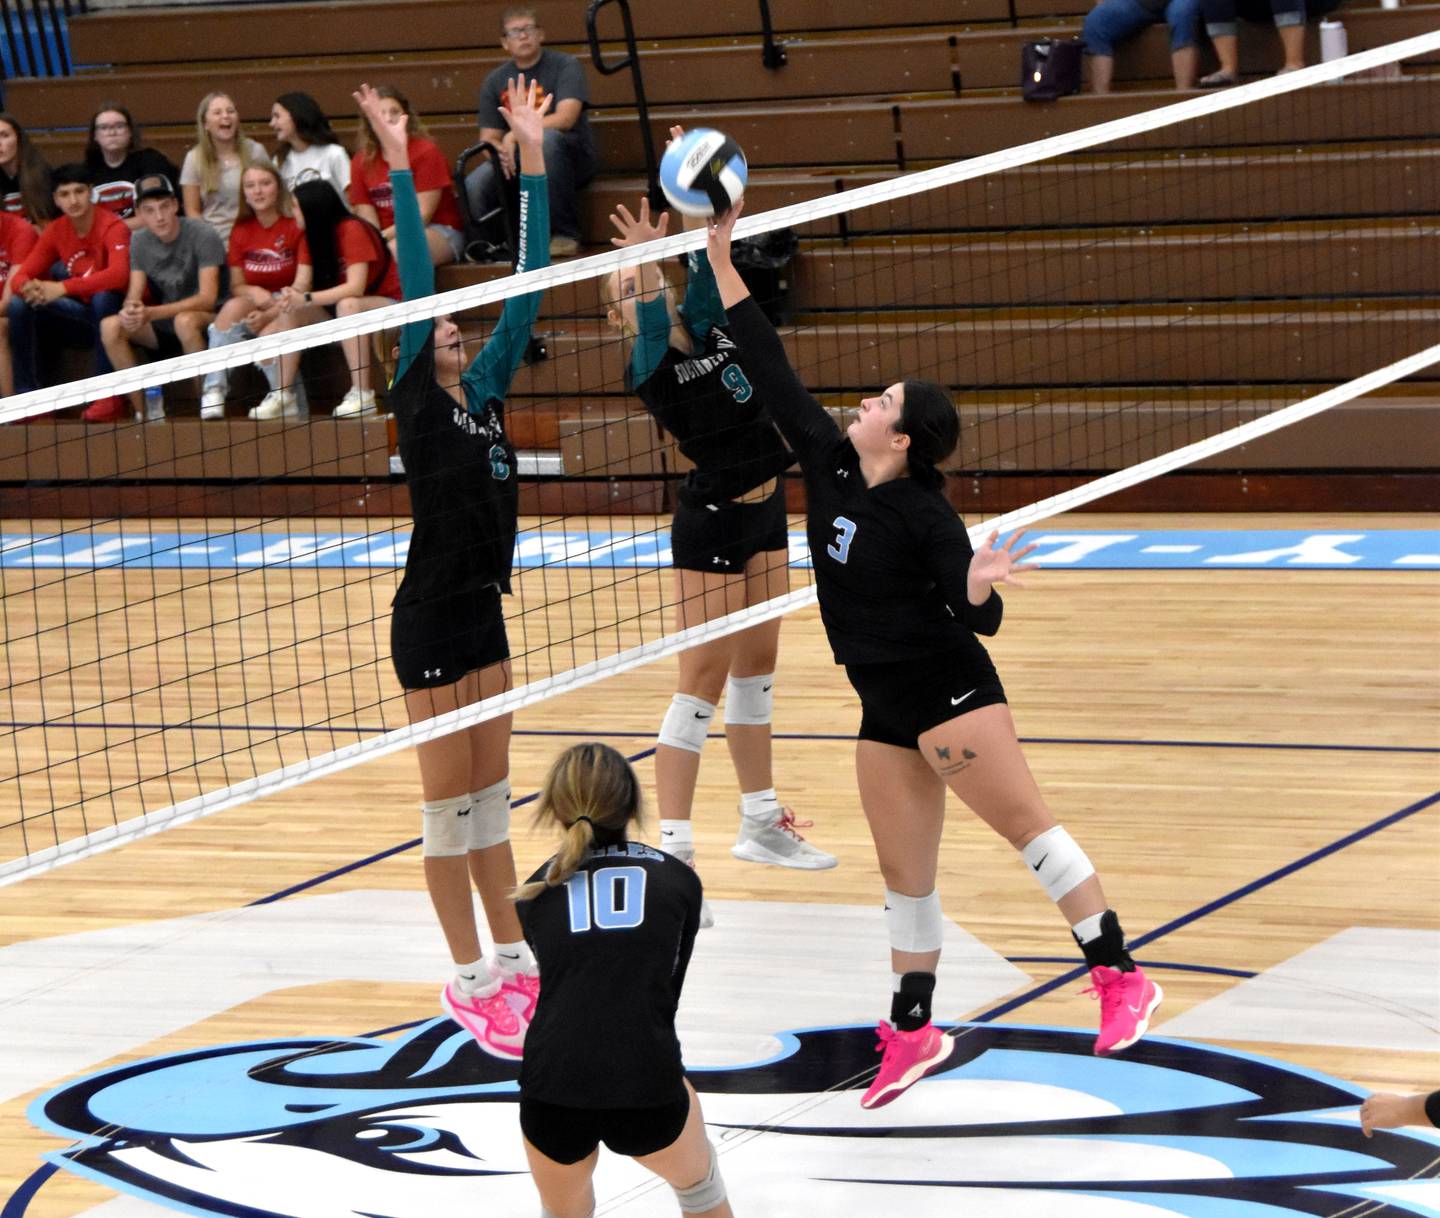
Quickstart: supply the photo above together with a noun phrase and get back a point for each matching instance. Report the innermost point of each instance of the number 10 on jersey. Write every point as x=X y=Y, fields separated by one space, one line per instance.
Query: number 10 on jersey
x=612 y=898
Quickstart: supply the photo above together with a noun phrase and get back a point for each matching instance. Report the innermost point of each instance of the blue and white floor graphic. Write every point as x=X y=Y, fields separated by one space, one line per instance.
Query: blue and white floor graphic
x=1175 y=549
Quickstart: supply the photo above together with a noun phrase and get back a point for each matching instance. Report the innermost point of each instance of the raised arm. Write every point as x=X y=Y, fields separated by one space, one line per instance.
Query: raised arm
x=412 y=253
x=805 y=424
x=490 y=373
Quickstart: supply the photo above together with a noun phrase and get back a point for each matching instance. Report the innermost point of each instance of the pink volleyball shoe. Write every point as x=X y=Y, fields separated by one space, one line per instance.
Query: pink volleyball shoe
x=1127 y=1000
x=908 y=1057
x=522 y=991
x=490 y=1020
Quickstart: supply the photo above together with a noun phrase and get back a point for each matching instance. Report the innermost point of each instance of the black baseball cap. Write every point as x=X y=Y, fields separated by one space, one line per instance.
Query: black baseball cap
x=153 y=186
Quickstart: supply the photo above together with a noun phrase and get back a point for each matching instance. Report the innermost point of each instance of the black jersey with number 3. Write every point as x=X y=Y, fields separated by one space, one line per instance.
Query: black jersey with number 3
x=891 y=561
x=613 y=943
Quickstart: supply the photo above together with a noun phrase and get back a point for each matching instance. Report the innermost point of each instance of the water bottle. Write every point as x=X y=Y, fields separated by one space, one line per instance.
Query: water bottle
x=154 y=403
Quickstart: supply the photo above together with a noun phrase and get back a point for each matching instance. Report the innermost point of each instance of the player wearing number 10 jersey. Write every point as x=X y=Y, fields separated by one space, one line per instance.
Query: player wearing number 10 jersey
x=611 y=923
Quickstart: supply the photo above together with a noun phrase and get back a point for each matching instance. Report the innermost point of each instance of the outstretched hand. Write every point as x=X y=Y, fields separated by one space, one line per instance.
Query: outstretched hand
x=636 y=230
x=1000 y=564
x=391 y=133
x=523 y=108
x=719 y=232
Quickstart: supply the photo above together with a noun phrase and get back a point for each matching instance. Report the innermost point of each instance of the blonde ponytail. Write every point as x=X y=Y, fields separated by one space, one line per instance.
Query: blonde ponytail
x=590 y=786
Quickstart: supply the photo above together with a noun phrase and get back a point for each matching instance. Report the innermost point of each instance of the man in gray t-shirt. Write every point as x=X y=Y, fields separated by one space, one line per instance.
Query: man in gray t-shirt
x=570 y=157
x=175 y=263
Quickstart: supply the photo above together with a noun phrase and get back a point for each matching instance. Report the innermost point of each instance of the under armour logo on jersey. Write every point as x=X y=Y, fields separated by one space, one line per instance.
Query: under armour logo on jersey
x=842 y=473
x=722 y=341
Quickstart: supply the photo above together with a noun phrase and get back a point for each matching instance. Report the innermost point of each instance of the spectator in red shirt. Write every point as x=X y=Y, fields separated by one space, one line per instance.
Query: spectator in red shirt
x=370 y=183
x=266 y=253
x=116 y=156
x=92 y=246
x=17 y=239
x=353 y=271
x=24 y=174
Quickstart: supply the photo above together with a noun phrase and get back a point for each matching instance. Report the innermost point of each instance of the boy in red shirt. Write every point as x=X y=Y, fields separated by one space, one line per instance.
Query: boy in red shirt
x=91 y=246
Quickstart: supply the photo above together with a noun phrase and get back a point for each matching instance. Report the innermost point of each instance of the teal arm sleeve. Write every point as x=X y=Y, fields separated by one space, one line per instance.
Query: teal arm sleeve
x=417 y=273
x=652 y=341
x=702 y=308
x=489 y=375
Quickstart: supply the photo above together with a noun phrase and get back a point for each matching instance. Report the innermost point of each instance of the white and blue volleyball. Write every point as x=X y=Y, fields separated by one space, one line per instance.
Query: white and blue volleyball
x=703 y=173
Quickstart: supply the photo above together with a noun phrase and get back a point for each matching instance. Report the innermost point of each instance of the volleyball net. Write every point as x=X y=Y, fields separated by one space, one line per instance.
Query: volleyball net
x=197 y=612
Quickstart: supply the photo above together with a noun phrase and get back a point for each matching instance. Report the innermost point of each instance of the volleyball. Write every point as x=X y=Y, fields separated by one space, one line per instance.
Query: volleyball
x=703 y=173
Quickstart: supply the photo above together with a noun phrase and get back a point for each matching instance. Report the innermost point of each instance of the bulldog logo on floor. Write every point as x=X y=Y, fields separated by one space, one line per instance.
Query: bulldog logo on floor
x=1025 y=1121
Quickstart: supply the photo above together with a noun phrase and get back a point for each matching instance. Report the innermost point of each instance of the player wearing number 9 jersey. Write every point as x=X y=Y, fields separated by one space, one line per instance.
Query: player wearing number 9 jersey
x=612 y=923
x=729 y=542
x=903 y=596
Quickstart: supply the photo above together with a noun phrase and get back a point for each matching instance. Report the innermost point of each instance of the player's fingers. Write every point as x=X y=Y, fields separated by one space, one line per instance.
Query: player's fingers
x=1030 y=549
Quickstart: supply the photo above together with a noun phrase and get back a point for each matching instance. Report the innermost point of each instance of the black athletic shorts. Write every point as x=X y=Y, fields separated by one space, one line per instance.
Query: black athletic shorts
x=724 y=536
x=169 y=341
x=437 y=641
x=567 y=1134
x=903 y=698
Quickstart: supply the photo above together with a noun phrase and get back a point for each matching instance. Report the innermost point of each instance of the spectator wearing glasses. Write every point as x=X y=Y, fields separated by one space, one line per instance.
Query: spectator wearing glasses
x=370 y=194
x=307 y=148
x=174 y=286
x=116 y=156
x=24 y=174
x=570 y=156
x=91 y=248
x=210 y=176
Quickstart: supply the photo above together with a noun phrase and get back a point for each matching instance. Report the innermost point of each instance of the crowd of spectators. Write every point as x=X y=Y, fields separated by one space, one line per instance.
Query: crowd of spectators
x=242 y=240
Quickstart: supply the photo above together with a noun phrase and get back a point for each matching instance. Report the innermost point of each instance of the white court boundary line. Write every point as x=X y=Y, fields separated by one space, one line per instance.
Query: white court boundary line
x=43 y=401
x=596 y=670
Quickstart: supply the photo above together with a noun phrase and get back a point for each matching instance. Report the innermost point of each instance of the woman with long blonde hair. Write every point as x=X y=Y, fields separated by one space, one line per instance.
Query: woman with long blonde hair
x=612 y=923
x=210 y=175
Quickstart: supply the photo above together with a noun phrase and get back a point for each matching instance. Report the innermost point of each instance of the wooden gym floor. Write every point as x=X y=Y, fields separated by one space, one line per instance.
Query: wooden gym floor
x=1251 y=758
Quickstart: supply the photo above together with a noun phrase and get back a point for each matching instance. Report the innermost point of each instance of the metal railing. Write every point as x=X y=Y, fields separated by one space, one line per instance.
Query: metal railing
x=631 y=61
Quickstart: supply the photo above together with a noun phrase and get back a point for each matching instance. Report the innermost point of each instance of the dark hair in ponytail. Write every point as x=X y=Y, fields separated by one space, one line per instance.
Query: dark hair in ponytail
x=930 y=419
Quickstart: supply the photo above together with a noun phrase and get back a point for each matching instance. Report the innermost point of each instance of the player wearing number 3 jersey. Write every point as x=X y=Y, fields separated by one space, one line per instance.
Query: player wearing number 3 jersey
x=612 y=923
x=903 y=596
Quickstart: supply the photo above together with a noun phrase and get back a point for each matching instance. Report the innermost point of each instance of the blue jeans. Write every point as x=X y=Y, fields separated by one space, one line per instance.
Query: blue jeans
x=66 y=321
x=570 y=163
x=1221 y=16
x=1113 y=21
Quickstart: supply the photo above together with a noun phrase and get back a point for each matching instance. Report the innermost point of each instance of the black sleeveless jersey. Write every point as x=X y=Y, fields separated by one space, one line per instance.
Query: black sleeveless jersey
x=613 y=944
x=460 y=468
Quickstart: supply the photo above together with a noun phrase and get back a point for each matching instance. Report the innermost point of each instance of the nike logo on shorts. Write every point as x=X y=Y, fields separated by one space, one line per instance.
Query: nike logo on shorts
x=960 y=699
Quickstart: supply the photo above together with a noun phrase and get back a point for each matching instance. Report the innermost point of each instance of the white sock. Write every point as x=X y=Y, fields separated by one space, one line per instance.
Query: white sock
x=514 y=958
x=476 y=979
x=895 y=979
x=1087 y=930
x=760 y=805
x=677 y=835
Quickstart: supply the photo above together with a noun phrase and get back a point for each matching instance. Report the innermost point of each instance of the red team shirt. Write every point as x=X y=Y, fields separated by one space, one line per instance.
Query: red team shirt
x=17 y=238
x=268 y=257
x=356 y=243
x=370 y=183
x=97 y=262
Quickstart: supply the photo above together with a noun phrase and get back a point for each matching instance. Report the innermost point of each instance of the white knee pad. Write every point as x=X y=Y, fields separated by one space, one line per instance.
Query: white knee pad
x=915 y=923
x=489 y=821
x=444 y=833
x=1057 y=862
x=687 y=723
x=705 y=1195
x=749 y=700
